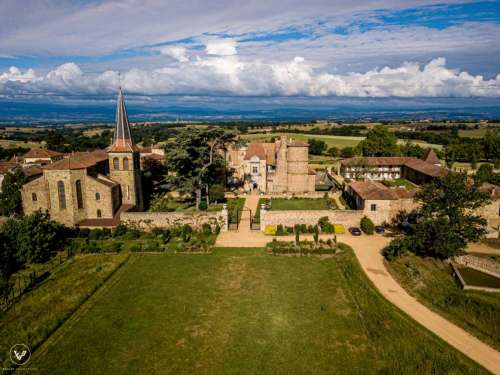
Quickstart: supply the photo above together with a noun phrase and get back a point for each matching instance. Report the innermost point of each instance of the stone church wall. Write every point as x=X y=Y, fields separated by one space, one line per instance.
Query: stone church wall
x=149 y=220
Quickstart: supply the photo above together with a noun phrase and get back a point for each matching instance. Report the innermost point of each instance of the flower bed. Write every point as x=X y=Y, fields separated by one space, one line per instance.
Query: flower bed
x=328 y=247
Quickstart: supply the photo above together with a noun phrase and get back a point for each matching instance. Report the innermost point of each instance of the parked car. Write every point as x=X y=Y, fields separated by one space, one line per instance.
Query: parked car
x=379 y=229
x=355 y=231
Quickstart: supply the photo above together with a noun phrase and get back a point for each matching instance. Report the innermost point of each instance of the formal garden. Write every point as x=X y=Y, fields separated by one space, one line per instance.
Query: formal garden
x=245 y=311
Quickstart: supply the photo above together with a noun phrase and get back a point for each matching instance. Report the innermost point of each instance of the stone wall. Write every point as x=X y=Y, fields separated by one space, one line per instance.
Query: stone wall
x=348 y=218
x=481 y=264
x=149 y=220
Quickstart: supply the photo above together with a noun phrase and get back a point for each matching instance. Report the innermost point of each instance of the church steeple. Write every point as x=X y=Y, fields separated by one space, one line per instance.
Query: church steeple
x=122 y=139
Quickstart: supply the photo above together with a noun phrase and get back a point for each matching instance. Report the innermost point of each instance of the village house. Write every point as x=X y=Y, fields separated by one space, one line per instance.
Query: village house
x=87 y=187
x=278 y=167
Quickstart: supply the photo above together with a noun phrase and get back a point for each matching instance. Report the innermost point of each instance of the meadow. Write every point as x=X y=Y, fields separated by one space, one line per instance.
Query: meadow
x=248 y=312
x=432 y=282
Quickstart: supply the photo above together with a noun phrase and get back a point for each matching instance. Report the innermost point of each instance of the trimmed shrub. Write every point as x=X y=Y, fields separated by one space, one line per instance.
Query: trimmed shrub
x=206 y=229
x=270 y=230
x=120 y=230
x=289 y=230
x=367 y=225
x=280 y=230
x=203 y=205
x=395 y=249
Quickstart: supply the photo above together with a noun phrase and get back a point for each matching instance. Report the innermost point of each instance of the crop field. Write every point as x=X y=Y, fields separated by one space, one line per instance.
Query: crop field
x=248 y=312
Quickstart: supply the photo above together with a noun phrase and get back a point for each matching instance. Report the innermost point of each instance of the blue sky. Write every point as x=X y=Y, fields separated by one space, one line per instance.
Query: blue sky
x=67 y=50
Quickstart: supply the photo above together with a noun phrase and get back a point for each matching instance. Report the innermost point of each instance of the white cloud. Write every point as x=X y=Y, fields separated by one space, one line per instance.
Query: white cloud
x=231 y=75
x=177 y=52
x=221 y=47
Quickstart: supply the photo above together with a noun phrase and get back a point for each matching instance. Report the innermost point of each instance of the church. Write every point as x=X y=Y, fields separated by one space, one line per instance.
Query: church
x=90 y=187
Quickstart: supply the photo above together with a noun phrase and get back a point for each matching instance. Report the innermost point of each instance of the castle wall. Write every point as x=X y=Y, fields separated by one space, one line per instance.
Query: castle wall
x=150 y=220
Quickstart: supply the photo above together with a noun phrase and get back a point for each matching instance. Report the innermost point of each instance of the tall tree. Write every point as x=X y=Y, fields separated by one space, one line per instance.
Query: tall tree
x=447 y=218
x=194 y=159
x=10 y=196
x=316 y=146
x=379 y=142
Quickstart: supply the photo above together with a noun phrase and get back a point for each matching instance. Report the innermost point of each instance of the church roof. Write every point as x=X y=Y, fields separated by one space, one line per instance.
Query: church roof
x=80 y=160
x=122 y=139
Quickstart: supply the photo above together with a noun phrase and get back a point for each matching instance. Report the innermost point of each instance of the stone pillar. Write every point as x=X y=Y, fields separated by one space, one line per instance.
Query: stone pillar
x=263 y=211
x=225 y=216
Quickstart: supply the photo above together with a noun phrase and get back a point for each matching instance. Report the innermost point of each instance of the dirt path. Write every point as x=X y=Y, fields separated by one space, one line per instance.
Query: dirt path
x=367 y=250
x=482 y=248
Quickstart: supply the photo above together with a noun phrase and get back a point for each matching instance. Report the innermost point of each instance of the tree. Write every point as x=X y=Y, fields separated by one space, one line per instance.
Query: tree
x=216 y=193
x=333 y=152
x=316 y=146
x=194 y=161
x=484 y=173
x=10 y=196
x=347 y=152
x=379 y=142
x=447 y=218
x=367 y=225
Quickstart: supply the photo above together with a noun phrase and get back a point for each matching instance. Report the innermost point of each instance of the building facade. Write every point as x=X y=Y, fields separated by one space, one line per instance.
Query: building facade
x=279 y=167
x=90 y=185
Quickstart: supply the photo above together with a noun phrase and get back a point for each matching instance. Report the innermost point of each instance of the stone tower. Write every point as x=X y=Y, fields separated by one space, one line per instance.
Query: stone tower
x=124 y=160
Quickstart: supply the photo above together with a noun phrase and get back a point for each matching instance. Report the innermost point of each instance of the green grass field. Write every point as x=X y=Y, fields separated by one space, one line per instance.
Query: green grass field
x=301 y=204
x=400 y=182
x=432 y=282
x=39 y=312
x=247 y=312
x=331 y=140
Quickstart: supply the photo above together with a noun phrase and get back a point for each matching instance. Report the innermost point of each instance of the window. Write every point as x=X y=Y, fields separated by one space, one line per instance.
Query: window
x=97 y=196
x=125 y=164
x=62 y=195
x=79 y=196
x=99 y=213
x=127 y=192
x=255 y=170
x=373 y=207
x=34 y=197
x=116 y=163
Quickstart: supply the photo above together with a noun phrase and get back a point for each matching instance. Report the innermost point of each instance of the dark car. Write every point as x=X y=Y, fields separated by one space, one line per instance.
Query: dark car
x=355 y=231
x=379 y=229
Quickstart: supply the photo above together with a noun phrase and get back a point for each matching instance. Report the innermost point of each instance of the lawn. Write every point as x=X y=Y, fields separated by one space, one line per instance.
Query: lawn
x=331 y=140
x=276 y=204
x=432 y=282
x=42 y=310
x=247 y=312
x=400 y=182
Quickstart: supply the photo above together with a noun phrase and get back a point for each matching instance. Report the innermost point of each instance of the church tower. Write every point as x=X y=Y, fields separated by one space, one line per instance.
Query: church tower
x=124 y=159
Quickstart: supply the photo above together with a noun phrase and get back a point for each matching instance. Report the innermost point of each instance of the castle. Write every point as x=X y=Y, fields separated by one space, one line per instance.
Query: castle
x=90 y=187
x=282 y=166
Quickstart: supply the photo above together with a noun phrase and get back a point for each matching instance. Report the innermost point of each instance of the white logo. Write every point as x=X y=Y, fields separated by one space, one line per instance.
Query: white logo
x=20 y=354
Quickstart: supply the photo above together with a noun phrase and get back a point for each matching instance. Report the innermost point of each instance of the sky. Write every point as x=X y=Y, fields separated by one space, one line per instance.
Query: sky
x=74 y=51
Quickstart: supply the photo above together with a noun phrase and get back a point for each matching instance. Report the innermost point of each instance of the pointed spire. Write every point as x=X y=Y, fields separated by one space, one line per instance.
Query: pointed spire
x=122 y=139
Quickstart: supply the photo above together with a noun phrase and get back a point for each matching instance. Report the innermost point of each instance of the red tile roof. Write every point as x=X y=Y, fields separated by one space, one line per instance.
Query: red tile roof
x=298 y=144
x=376 y=161
x=431 y=157
x=79 y=160
x=41 y=153
x=426 y=168
x=255 y=149
x=372 y=190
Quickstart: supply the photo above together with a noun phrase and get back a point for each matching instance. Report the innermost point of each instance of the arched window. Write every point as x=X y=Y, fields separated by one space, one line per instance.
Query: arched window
x=79 y=195
x=116 y=163
x=99 y=213
x=34 y=197
x=62 y=195
x=125 y=164
x=127 y=191
x=97 y=196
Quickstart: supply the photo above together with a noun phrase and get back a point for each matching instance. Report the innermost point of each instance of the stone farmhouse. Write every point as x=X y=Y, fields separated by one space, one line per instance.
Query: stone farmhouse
x=279 y=167
x=381 y=203
x=418 y=171
x=88 y=187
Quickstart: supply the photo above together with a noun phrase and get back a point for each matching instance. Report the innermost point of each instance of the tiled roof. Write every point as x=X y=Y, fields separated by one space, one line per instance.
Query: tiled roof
x=79 y=160
x=371 y=190
x=39 y=153
x=431 y=157
x=104 y=180
x=32 y=171
x=255 y=149
x=6 y=166
x=426 y=168
x=376 y=161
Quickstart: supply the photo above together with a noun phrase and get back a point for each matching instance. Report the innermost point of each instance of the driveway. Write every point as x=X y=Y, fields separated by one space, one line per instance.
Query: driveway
x=367 y=250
